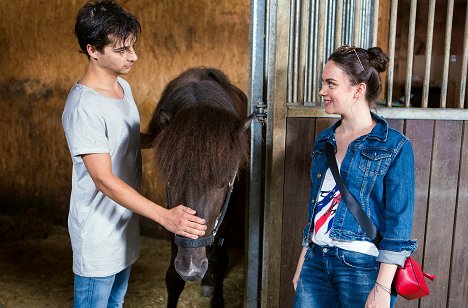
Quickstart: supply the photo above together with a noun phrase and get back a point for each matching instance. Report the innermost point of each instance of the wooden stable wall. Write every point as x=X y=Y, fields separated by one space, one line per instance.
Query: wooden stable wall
x=40 y=62
x=441 y=206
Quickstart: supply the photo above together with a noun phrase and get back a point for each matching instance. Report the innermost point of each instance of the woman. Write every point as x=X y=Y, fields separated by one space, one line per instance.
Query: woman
x=339 y=265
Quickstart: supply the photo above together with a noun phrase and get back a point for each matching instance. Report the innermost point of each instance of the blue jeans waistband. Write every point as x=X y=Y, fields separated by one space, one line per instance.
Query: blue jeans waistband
x=321 y=249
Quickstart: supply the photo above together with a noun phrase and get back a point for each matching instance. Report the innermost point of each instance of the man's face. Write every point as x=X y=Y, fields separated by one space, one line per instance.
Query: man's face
x=118 y=57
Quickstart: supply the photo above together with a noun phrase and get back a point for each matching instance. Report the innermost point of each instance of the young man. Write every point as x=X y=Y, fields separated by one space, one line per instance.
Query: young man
x=102 y=127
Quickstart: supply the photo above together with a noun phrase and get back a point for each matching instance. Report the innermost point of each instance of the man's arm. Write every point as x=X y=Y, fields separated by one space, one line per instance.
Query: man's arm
x=180 y=220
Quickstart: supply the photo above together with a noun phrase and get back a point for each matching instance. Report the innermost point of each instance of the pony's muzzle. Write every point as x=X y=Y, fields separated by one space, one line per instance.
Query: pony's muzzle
x=191 y=269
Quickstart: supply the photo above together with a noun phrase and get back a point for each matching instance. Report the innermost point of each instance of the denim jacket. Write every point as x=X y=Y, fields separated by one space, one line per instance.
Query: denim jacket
x=378 y=170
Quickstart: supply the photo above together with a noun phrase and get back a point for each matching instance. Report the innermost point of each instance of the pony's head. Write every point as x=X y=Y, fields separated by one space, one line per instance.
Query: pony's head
x=201 y=142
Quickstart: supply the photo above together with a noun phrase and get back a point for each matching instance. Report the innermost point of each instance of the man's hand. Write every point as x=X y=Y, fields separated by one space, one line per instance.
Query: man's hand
x=182 y=221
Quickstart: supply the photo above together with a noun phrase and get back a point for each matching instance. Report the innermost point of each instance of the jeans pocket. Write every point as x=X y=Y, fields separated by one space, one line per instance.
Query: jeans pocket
x=358 y=260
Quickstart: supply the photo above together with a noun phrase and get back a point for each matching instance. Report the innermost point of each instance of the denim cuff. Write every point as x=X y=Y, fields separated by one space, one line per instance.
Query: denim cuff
x=393 y=257
x=306 y=235
x=398 y=244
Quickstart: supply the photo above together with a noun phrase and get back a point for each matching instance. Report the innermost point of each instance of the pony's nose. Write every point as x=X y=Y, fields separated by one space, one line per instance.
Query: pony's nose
x=191 y=272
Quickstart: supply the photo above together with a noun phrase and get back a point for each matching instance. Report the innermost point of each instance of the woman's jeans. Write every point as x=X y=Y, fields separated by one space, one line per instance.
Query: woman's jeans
x=333 y=277
x=97 y=292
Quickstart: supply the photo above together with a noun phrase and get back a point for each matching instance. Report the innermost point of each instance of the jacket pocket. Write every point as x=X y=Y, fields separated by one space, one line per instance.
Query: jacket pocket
x=375 y=161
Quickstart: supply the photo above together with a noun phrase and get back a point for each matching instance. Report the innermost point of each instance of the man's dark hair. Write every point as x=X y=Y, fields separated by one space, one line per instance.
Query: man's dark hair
x=101 y=22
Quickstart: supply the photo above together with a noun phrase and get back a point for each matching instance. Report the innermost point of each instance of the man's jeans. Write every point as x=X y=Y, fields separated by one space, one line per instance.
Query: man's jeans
x=97 y=292
x=333 y=277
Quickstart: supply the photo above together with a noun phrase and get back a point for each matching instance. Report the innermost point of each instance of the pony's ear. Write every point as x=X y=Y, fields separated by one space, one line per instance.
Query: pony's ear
x=164 y=118
x=248 y=122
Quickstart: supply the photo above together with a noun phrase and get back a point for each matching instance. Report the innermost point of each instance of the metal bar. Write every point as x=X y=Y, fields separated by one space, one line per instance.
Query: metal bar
x=320 y=51
x=253 y=223
x=448 y=37
x=364 y=26
x=357 y=23
x=409 y=55
x=450 y=114
x=391 y=52
x=348 y=18
x=295 y=81
x=464 y=64
x=308 y=51
x=368 y=25
x=330 y=34
x=305 y=10
x=314 y=56
x=311 y=56
x=338 y=23
x=290 y=68
x=362 y=22
x=427 y=69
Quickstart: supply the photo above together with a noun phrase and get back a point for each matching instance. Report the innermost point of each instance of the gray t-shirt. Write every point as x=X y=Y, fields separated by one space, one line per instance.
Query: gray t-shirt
x=104 y=235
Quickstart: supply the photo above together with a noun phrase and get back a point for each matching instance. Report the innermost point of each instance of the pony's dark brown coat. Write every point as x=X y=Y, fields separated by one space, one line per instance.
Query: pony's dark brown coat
x=201 y=141
x=198 y=123
x=201 y=147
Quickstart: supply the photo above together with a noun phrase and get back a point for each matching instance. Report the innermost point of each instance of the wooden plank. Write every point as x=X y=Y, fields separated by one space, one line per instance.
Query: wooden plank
x=420 y=132
x=441 y=209
x=323 y=123
x=458 y=293
x=382 y=38
x=396 y=124
x=299 y=139
x=275 y=141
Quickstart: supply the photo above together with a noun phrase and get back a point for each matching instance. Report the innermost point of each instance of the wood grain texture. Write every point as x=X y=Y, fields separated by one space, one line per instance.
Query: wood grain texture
x=441 y=209
x=299 y=140
x=458 y=292
x=420 y=133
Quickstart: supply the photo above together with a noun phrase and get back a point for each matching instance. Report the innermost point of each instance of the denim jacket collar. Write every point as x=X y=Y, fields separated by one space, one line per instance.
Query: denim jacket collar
x=379 y=132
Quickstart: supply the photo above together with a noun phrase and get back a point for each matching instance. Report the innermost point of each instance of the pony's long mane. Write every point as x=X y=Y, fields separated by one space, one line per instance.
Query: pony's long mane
x=204 y=142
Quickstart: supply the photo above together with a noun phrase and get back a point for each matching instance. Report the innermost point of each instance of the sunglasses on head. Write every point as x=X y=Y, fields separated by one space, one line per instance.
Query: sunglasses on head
x=345 y=49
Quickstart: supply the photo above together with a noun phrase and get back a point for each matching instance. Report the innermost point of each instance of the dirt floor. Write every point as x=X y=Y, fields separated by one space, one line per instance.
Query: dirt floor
x=35 y=269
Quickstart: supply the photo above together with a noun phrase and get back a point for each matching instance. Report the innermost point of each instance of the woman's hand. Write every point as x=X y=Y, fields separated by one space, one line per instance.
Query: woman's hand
x=379 y=297
x=295 y=279
x=299 y=267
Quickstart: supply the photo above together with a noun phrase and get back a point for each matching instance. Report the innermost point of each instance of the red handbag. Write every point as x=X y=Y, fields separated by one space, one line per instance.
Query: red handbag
x=409 y=280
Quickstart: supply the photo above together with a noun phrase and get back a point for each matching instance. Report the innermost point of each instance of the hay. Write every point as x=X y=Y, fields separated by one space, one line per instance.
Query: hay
x=35 y=267
x=41 y=62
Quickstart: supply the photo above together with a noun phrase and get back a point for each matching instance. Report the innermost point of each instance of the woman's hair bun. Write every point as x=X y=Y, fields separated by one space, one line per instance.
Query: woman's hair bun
x=378 y=59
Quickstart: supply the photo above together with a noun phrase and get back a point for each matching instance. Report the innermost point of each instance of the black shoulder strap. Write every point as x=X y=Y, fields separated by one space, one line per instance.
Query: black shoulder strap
x=349 y=200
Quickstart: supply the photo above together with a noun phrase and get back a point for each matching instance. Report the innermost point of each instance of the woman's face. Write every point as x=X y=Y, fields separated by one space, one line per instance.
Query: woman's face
x=337 y=90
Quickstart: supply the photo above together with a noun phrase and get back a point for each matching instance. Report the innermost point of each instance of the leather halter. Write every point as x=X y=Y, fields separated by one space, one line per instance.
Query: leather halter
x=186 y=242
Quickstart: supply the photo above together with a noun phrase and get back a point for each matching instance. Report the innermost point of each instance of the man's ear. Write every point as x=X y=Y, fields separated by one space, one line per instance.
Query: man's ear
x=92 y=51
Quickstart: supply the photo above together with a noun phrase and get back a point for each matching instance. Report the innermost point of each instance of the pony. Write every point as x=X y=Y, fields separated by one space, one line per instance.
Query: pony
x=201 y=146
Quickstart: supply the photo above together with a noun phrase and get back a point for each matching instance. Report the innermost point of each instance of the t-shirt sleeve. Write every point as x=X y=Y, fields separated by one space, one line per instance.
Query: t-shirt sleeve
x=85 y=131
